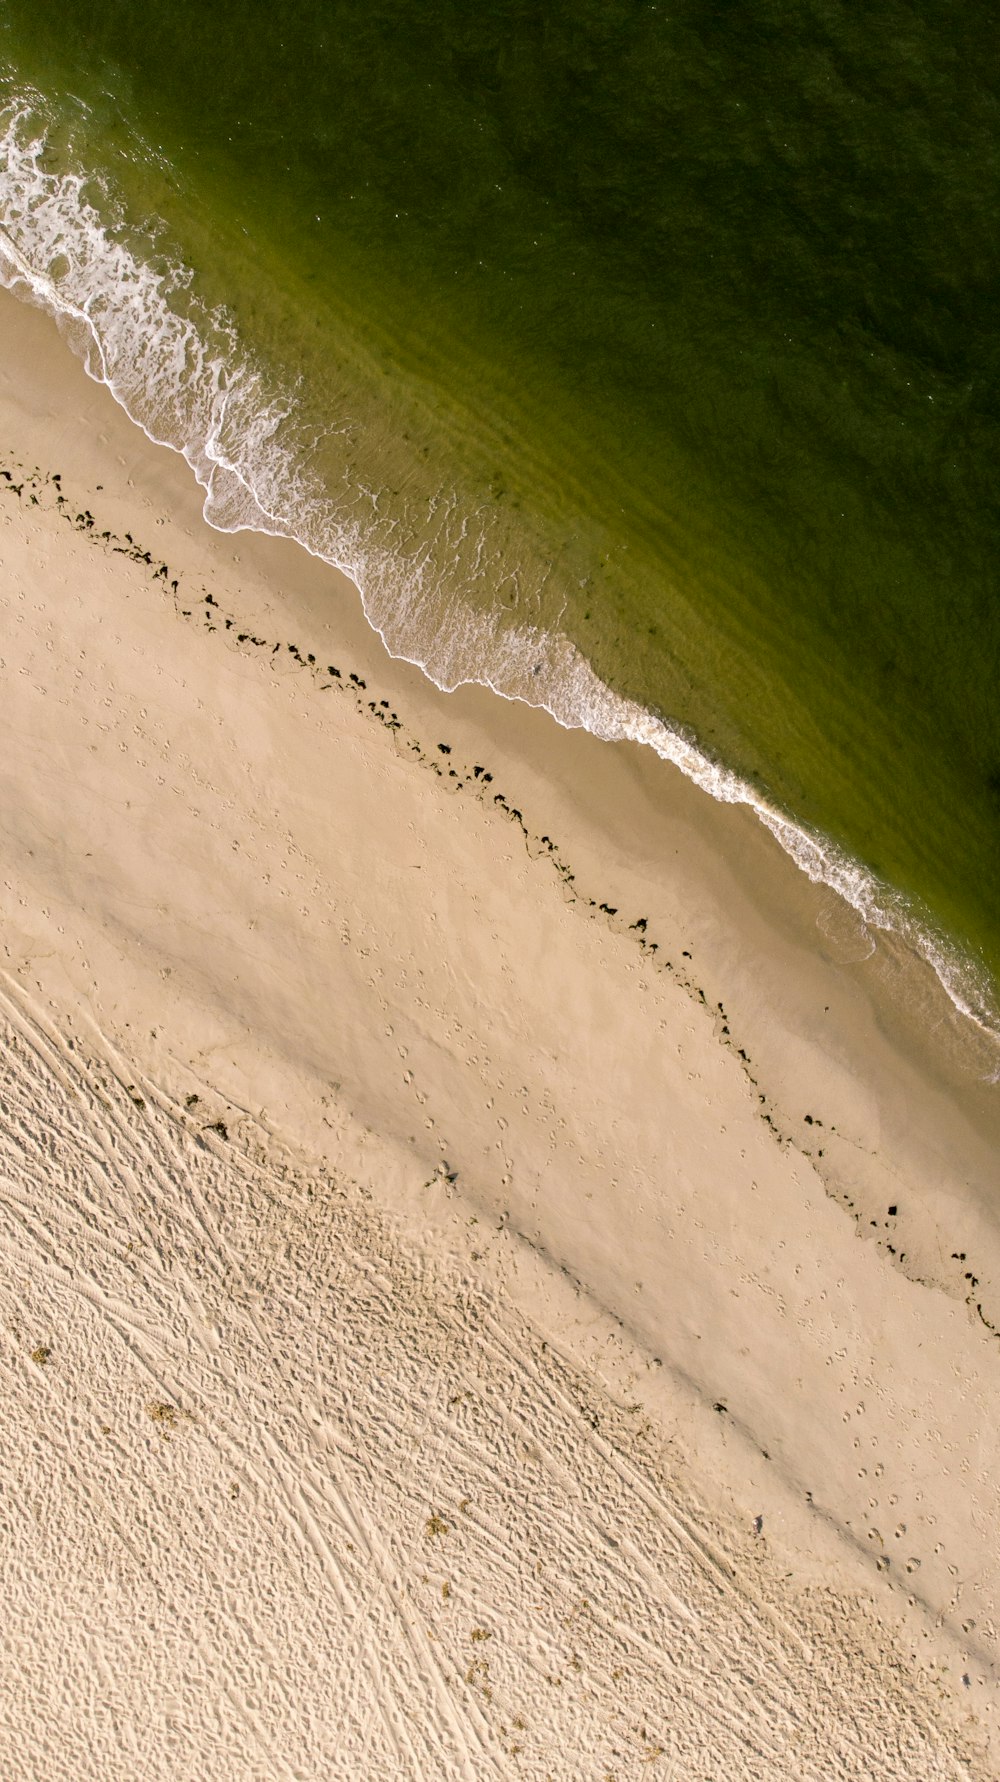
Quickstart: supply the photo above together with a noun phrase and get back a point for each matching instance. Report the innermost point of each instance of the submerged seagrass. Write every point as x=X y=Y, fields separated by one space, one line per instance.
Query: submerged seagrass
x=674 y=333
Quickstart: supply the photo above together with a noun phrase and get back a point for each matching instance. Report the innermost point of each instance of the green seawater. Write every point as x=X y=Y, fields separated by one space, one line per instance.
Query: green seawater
x=693 y=308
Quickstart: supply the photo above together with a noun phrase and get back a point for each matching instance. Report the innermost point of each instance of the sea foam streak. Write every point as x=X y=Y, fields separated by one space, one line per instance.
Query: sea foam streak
x=181 y=374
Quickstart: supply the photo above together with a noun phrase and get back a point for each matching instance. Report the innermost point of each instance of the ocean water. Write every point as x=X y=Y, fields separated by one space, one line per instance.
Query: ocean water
x=639 y=361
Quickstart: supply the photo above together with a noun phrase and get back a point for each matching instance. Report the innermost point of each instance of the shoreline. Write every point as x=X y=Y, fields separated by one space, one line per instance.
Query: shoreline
x=565 y=991
x=505 y=663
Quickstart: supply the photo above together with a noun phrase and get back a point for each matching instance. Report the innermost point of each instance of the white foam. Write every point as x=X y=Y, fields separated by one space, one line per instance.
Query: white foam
x=179 y=371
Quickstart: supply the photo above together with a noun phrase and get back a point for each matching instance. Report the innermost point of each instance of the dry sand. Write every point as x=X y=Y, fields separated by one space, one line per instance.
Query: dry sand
x=500 y=1279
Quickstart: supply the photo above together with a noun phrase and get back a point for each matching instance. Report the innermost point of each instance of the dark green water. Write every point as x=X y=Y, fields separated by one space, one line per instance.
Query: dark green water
x=693 y=308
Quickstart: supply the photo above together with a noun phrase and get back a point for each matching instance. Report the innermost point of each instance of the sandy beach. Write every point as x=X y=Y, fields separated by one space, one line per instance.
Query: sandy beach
x=502 y=1274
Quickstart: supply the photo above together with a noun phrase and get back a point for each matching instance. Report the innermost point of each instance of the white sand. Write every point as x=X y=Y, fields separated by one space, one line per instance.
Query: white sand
x=711 y=1483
